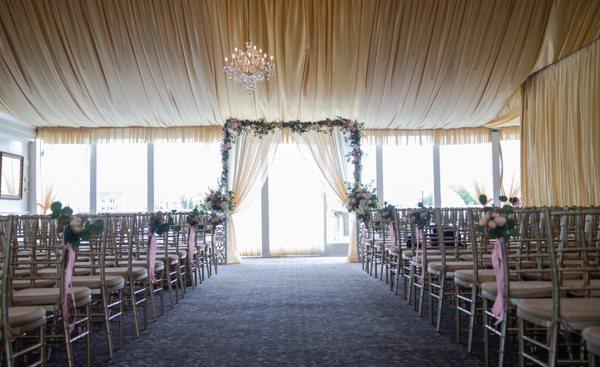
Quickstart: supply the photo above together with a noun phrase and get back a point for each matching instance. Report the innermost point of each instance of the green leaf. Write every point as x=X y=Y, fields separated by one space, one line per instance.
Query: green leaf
x=503 y=198
x=507 y=209
x=56 y=206
x=483 y=199
x=66 y=211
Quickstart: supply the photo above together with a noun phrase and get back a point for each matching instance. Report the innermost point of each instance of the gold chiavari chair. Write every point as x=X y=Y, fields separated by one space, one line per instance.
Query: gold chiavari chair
x=70 y=321
x=107 y=290
x=22 y=327
x=550 y=328
x=422 y=251
x=591 y=335
x=121 y=246
x=403 y=239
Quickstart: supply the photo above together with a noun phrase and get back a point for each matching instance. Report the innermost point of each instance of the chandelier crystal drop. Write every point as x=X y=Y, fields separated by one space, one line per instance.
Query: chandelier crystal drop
x=249 y=67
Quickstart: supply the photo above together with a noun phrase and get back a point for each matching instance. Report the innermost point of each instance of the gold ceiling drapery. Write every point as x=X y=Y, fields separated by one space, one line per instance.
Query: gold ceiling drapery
x=560 y=158
x=472 y=135
x=406 y=64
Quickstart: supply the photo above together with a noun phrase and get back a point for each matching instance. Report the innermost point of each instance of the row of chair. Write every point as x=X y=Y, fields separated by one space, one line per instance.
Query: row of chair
x=550 y=277
x=41 y=311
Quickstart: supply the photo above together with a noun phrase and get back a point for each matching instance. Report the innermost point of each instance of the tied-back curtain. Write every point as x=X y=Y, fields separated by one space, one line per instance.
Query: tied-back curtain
x=560 y=154
x=248 y=170
x=327 y=151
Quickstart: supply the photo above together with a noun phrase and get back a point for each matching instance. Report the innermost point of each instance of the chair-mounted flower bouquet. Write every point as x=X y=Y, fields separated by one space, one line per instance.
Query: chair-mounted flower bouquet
x=360 y=199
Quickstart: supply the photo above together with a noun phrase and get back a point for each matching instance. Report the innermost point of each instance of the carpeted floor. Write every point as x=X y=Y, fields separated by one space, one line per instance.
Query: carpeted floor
x=288 y=312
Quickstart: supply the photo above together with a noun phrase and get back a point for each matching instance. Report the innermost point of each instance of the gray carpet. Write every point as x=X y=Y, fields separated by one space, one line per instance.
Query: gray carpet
x=288 y=312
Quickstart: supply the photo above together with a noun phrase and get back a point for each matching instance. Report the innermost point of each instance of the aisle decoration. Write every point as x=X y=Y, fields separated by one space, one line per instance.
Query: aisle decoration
x=74 y=229
x=193 y=219
x=421 y=218
x=361 y=199
x=388 y=214
x=497 y=225
x=156 y=226
x=218 y=203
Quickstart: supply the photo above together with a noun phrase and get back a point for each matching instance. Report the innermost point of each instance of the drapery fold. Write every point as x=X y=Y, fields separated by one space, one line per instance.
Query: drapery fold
x=327 y=152
x=474 y=135
x=251 y=158
x=406 y=64
x=560 y=158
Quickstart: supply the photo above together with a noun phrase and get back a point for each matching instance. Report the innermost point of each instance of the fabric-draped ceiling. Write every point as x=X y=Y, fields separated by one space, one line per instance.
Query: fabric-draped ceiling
x=414 y=64
x=560 y=158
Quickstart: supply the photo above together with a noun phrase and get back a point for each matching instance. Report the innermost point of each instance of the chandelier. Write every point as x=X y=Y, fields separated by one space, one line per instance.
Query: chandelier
x=249 y=67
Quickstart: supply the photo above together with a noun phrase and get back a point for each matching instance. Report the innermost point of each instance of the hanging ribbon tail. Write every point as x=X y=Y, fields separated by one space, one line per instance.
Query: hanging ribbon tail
x=191 y=248
x=393 y=237
x=152 y=259
x=68 y=286
x=422 y=255
x=499 y=304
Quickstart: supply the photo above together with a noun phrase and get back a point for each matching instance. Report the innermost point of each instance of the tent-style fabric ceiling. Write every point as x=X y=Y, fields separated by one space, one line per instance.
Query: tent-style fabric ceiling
x=390 y=64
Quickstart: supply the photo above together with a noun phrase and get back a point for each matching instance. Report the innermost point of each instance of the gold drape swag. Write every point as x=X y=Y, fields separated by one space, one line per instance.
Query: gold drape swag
x=560 y=158
x=406 y=64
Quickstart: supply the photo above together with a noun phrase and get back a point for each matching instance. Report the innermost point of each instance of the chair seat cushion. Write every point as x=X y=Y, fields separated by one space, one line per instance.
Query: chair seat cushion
x=408 y=254
x=578 y=313
x=435 y=267
x=23 y=315
x=94 y=281
x=46 y=296
x=51 y=272
x=38 y=283
x=519 y=289
x=592 y=339
x=483 y=275
x=137 y=272
x=159 y=265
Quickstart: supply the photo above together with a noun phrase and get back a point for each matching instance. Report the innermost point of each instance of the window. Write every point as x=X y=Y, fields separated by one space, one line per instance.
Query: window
x=408 y=175
x=465 y=173
x=183 y=172
x=122 y=177
x=65 y=176
x=511 y=160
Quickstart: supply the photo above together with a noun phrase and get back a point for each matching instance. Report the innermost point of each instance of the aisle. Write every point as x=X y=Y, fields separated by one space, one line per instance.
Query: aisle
x=292 y=311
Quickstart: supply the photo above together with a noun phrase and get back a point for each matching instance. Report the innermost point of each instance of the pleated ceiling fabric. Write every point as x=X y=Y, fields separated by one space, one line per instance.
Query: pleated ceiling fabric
x=560 y=158
x=413 y=64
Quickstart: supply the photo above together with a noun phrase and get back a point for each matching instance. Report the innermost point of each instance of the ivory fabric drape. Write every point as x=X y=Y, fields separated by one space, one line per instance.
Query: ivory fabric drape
x=406 y=64
x=473 y=135
x=328 y=154
x=251 y=159
x=560 y=158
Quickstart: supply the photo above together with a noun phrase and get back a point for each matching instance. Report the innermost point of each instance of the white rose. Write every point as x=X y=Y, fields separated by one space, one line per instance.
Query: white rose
x=500 y=221
x=484 y=220
x=492 y=224
x=224 y=205
x=76 y=224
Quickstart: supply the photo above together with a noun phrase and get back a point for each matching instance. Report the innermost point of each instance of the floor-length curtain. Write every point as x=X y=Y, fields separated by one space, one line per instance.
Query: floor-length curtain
x=248 y=171
x=560 y=158
x=327 y=151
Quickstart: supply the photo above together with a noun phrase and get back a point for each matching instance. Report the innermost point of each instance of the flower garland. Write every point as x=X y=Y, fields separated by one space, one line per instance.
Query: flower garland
x=351 y=131
x=361 y=198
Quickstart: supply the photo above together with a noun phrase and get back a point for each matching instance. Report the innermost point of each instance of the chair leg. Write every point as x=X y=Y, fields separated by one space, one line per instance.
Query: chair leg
x=106 y=312
x=440 y=305
x=486 y=341
x=521 y=324
x=503 y=329
x=472 y=316
x=122 y=319
x=134 y=307
x=88 y=338
x=457 y=311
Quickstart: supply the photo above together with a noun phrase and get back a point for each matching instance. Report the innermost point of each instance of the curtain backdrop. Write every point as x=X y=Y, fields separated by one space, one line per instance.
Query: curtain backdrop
x=249 y=167
x=328 y=153
x=560 y=158
x=474 y=135
x=403 y=64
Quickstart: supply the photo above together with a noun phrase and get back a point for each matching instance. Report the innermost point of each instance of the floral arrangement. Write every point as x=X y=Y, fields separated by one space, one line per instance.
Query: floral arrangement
x=350 y=129
x=159 y=225
x=194 y=218
x=219 y=200
x=388 y=211
x=360 y=199
x=495 y=221
x=74 y=228
x=421 y=217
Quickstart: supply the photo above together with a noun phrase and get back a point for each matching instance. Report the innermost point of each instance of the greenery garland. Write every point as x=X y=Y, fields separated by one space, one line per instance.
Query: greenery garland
x=351 y=131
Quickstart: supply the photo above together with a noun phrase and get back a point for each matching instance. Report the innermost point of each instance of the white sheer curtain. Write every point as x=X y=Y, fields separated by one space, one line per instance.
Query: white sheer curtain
x=248 y=169
x=328 y=153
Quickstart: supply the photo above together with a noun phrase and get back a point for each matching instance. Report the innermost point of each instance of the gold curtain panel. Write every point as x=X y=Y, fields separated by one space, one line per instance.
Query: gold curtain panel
x=418 y=64
x=560 y=158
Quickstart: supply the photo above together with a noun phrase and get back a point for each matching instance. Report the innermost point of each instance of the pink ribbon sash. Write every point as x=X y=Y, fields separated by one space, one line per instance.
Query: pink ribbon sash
x=152 y=258
x=69 y=270
x=423 y=255
x=191 y=248
x=393 y=237
x=498 y=307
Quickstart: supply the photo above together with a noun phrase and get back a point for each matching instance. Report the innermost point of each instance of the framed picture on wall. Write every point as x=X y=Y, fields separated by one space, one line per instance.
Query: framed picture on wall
x=11 y=176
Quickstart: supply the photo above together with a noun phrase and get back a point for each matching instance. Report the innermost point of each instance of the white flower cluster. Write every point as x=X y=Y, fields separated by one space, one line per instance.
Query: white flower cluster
x=492 y=220
x=76 y=224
